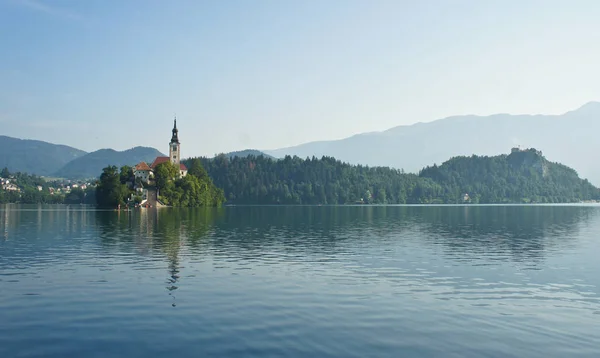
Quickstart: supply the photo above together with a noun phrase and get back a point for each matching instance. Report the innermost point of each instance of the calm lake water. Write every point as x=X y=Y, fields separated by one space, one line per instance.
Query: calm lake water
x=476 y=281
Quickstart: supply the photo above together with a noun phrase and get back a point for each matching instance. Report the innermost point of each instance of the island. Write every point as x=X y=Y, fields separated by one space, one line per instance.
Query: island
x=166 y=182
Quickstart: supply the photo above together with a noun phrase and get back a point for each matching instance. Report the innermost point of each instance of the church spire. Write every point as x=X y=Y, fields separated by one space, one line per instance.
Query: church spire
x=175 y=137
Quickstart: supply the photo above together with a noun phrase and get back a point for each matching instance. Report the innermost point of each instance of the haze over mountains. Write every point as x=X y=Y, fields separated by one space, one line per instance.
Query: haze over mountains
x=34 y=156
x=572 y=138
x=248 y=152
x=91 y=164
x=55 y=160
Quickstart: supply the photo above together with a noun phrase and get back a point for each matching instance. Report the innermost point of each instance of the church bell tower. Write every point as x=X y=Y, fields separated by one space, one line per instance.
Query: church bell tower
x=175 y=146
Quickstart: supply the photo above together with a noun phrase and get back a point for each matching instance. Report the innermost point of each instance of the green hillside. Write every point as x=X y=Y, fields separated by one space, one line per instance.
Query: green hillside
x=35 y=157
x=292 y=180
x=520 y=177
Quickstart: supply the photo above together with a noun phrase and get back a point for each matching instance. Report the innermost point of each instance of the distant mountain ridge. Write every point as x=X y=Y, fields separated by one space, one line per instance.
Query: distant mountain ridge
x=247 y=152
x=34 y=156
x=570 y=138
x=56 y=160
x=91 y=164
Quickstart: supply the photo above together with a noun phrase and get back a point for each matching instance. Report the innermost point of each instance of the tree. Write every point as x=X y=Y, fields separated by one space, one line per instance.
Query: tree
x=381 y=196
x=126 y=174
x=5 y=173
x=76 y=196
x=89 y=196
x=193 y=190
x=164 y=173
x=110 y=192
x=196 y=169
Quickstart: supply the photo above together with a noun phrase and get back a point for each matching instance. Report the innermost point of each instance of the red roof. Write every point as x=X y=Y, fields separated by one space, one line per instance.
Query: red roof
x=142 y=166
x=158 y=161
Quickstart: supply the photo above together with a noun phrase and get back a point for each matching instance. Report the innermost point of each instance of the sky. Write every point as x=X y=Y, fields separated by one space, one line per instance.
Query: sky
x=268 y=74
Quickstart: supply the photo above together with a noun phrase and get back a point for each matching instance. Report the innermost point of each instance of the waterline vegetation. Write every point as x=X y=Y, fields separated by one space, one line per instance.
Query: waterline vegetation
x=523 y=176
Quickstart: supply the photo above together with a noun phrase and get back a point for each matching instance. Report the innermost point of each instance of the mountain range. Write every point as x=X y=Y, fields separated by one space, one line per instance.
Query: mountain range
x=248 y=152
x=34 y=156
x=61 y=161
x=55 y=160
x=91 y=164
x=571 y=138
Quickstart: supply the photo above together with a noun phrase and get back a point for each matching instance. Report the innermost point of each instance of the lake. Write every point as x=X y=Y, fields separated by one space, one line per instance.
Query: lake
x=348 y=281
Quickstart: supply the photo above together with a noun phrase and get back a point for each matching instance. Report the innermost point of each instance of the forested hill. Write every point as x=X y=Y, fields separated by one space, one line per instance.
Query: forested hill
x=34 y=156
x=520 y=177
x=291 y=180
x=247 y=152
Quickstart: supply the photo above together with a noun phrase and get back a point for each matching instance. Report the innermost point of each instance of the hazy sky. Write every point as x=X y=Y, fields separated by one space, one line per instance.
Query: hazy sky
x=273 y=73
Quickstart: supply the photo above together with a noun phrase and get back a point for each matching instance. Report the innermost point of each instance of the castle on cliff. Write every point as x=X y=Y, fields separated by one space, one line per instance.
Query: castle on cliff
x=519 y=150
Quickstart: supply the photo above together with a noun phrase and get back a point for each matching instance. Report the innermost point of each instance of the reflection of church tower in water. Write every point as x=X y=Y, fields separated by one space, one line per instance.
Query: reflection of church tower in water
x=171 y=246
x=174 y=275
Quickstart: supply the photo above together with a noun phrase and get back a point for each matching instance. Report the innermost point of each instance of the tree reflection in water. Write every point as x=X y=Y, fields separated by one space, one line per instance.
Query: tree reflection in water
x=160 y=233
x=471 y=234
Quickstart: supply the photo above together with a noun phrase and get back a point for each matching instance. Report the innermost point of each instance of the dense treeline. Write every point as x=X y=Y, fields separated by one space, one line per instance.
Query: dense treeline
x=261 y=180
x=517 y=178
x=521 y=177
x=196 y=189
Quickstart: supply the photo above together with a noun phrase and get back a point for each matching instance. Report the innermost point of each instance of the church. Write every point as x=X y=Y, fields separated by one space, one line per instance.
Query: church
x=145 y=172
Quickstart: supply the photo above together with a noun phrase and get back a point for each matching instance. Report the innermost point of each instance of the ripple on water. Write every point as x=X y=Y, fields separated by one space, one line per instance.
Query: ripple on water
x=419 y=282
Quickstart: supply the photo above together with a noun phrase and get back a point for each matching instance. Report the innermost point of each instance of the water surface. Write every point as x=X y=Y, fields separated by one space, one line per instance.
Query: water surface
x=397 y=281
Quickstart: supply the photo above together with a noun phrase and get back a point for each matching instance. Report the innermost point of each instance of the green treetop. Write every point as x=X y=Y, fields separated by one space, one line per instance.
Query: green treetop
x=164 y=173
x=110 y=191
x=193 y=190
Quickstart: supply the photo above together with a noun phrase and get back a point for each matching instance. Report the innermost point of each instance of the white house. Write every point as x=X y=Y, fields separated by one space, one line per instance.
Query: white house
x=142 y=171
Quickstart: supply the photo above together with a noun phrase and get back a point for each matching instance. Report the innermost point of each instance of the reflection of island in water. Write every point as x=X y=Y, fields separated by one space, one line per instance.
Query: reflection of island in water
x=522 y=233
x=251 y=237
x=164 y=232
